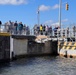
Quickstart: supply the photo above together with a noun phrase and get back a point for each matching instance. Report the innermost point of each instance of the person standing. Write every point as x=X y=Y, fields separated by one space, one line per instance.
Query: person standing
x=44 y=27
x=50 y=30
x=10 y=26
x=0 y=25
x=24 y=29
x=74 y=29
x=41 y=29
x=20 y=25
x=15 y=27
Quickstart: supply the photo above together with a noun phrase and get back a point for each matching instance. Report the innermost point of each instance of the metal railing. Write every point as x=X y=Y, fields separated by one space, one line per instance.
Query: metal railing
x=63 y=33
x=14 y=30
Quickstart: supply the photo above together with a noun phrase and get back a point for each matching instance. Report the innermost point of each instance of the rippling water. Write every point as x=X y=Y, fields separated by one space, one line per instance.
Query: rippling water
x=40 y=66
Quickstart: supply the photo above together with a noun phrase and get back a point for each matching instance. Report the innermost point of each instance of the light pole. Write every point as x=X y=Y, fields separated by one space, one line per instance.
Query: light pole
x=60 y=6
x=38 y=17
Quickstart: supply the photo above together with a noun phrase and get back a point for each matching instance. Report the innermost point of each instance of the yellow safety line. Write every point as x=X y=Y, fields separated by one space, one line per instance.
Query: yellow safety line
x=64 y=45
x=75 y=44
x=73 y=48
x=4 y=34
x=68 y=46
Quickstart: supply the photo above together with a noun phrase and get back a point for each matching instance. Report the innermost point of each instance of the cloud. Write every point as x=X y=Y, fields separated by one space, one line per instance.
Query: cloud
x=52 y=23
x=55 y=6
x=55 y=24
x=44 y=8
x=48 y=22
x=65 y=20
x=13 y=2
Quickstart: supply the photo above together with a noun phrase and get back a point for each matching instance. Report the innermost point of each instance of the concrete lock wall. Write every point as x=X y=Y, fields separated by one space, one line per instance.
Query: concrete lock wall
x=20 y=46
x=39 y=48
x=30 y=47
x=26 y=47
x=47 y=47
x=4 y=47
x=55 y=47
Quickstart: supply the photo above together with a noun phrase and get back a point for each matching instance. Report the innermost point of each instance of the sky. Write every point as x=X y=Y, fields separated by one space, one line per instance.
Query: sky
x=25 y=11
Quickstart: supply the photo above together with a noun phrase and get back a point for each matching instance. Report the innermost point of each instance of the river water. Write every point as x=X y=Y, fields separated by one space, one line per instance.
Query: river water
x=47 y=65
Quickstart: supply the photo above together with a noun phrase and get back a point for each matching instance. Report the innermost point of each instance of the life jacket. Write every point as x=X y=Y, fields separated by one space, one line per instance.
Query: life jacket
x=41 y=28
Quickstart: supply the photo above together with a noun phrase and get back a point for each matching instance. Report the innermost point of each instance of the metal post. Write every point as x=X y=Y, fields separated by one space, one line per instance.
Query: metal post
x=38 y=15
x=60 y=6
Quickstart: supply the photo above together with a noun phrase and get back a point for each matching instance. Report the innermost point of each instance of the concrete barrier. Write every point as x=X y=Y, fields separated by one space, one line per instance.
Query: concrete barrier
x=69 y=47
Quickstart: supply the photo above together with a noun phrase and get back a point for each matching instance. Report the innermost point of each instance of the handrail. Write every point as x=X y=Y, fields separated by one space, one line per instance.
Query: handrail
x=63 y=33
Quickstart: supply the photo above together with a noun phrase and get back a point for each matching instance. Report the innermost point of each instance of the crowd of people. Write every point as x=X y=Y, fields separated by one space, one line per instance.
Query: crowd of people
x=53 y=31
x=42 y=29
x=15 y=27
x=20 y=28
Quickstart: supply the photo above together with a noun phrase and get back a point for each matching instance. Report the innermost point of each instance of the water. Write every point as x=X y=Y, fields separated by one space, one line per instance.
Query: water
x=46 y=65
